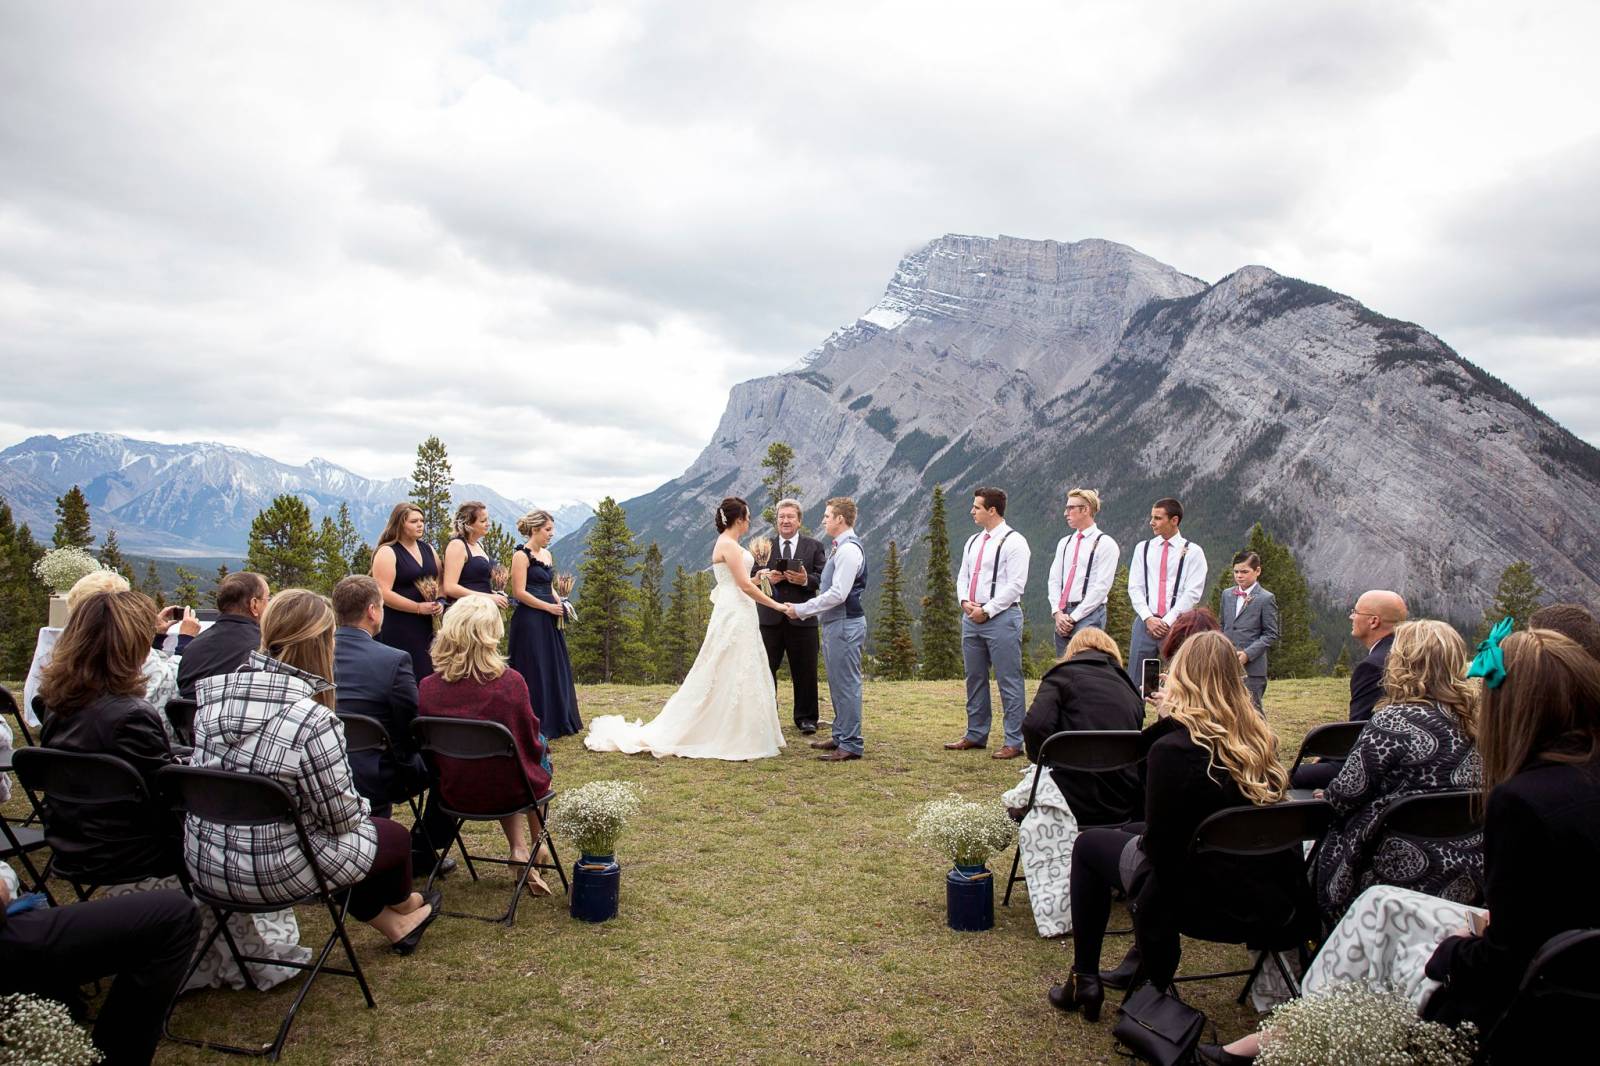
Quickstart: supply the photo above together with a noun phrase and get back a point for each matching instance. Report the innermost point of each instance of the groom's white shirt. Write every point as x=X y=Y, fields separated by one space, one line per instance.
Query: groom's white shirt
x=845 y=569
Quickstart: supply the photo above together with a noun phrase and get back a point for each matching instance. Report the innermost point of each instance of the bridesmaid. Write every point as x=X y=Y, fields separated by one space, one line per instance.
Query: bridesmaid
x=407 y=613
x=467 y=567
x=538 y=646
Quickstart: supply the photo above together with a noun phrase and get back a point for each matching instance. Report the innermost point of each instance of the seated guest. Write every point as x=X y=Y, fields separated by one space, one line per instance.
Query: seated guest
x=241 y=597
x=1087 y=689
x=374 y=680
x=274 y=716
x=1210 y=750
x=1571 y=621
x=1539 y=739
x=470 y=679
x=143 y=942
x=1186 y=625
x=1373 y=621
x=1418 y=741
x=95 y=689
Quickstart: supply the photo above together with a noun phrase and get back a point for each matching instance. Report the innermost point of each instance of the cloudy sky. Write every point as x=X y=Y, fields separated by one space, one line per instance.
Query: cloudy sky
x=555 y=234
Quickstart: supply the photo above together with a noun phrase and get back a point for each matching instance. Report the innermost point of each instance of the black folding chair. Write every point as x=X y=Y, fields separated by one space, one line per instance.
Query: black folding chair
x=363 y=733
x=1262 y=831
x=83 y=779
x=225 y=797
x=1550 y=1014
x=468 y=739
x=18 y=842
x=181 y=712
x=1330 y=741
x=1095 y=751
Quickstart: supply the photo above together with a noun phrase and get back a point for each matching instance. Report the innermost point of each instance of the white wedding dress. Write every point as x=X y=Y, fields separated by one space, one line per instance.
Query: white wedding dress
x=726 y=707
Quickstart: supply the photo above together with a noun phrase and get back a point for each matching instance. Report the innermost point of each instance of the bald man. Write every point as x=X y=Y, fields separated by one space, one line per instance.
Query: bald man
x=1372 y=621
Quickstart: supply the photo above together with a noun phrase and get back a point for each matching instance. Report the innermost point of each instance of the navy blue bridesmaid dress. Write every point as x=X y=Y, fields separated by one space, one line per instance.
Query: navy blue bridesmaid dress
x=539 y=654
x=411 y=633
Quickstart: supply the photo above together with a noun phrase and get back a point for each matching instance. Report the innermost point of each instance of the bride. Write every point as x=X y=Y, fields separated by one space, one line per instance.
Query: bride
x=726 y=707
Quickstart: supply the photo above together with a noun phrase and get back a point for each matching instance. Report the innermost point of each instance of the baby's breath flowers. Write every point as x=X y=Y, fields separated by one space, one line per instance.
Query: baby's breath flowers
x=34 y=1030
x=62 y=567
x=1351 y=1025
x=592 y=816
x=967 y=833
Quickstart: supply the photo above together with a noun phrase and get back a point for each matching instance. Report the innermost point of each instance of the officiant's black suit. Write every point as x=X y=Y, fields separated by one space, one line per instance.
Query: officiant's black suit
x=797 y=637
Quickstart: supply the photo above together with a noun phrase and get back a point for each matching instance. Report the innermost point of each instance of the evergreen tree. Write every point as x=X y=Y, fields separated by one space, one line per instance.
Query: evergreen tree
x=187 y=593
x=605 y=642
x=361 y=559
x=1342 y=667
x=649 y=620
x=332 y=563
x=700 y=585
x=676 y=648
x=499 y=545
x=1298 y=653
x=895 y=652
x=24 y=597
x=941 y=615
x=216 y=588
x=283 y=544
x=111 y=556
x=780 y=460
x=1119 y=612
x=72 y=521
x=1517 y=596
x=430 y=489
x=151 y=585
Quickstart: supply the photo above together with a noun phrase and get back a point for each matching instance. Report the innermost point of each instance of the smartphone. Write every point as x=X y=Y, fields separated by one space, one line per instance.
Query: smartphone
x=1149 y=677
x=1477 y=921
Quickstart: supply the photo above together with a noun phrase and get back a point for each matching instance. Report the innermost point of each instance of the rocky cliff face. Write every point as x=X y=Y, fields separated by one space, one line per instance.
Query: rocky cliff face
x=1383 y=457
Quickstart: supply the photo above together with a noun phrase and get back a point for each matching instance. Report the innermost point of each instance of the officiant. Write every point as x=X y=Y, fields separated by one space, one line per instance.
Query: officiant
x=794 y=569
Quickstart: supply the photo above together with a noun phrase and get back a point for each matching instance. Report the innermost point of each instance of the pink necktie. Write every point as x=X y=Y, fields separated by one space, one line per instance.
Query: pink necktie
x=1066 y=589
x=972 y=590
x=1161 y=594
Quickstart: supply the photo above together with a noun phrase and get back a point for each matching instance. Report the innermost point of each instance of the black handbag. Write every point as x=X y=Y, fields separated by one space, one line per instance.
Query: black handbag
x=1158 y=1027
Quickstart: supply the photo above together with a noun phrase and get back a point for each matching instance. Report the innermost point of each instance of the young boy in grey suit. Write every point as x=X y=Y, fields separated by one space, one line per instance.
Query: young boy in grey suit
x=1250 y=620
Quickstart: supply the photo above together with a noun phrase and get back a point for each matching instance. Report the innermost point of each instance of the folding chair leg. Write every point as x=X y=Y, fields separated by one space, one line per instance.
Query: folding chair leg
x=1255 y=972
x=1016 y=861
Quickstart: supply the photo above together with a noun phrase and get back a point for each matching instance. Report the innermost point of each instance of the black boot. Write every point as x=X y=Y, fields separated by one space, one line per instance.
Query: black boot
x=1082 y=991
x=1122 y=976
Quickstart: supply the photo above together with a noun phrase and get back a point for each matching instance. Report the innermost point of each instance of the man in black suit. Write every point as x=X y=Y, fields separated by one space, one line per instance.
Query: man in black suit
x=224 y=647
x=795 y=570
x=375 y=680
x=1373 y=621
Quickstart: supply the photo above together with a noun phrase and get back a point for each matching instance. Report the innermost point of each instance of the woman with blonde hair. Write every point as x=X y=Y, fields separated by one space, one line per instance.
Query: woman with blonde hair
x=471 y=680
x=1209 y=751
x=467 y=567
x=407 y=614
x=538 y=645
x=274 y=716
x=1420 y=739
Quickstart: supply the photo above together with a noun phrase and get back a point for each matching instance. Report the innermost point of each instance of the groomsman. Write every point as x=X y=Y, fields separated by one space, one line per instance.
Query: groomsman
x=994 y=572
x=1081 y=574
x=795 y=570
x=1250 y=620
x=844 y=628
x=1166 y=576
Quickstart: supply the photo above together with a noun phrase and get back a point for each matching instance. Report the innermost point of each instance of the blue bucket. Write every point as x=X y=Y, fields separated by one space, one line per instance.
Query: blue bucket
x=969 y=899
x=596 y=883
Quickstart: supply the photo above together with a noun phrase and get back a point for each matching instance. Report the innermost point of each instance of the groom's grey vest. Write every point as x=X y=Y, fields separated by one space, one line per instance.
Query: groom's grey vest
x=851 y=607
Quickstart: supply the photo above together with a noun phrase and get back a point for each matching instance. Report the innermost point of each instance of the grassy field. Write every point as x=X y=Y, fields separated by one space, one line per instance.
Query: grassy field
x=771 y=912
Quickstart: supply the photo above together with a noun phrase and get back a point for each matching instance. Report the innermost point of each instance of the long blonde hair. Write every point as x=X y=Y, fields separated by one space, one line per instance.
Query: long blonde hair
x=1428 y=664
x=1205 y=691
x=468 y=644
x=297 y=630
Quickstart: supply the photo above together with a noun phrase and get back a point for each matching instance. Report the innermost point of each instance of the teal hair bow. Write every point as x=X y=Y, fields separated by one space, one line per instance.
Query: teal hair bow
x=1490 y=663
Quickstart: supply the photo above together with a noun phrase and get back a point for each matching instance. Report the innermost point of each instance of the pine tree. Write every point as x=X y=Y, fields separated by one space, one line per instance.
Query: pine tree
x=332 y=563
x=677 y=649
x=1517 y=596
x=700 y=585
x=283 y=544
x=216 y=588
x=25 y=598
x=1119 y=612
x=1342 y=667
x=1298 y=653
x=649 y=620
x=499 y=545
x=72 y=521
x=111 y=556
x=430 y=489
x=895 y=651
x=606 y=640
x=151 y=585
x=361 y=559
x=941 y=615
x=187 y=593
x=780 y=460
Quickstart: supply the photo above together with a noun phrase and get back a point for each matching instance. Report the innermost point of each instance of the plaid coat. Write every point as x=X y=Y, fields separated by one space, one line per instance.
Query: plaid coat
x=262 y=719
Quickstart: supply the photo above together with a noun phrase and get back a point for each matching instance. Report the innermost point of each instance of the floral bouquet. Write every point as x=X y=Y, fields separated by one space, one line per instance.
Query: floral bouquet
x=498 y=576
x=761 y=548
x=592 y=816
x=428 y=589
x=965 y=832
x=563 y=587
x=62 y=567
x=1353 y=1024
x=34 y=1030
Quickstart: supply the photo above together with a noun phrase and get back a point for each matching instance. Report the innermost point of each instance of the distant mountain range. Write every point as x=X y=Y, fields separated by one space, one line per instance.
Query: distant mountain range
x=197 y=500
x=1379 y=454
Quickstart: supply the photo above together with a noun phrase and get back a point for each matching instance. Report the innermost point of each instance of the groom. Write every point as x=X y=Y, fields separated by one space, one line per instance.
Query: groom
x=844 y=628
x=795 y=570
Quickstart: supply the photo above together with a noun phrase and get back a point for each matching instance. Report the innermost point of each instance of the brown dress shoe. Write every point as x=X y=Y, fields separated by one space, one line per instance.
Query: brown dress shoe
x=963 y=745
x=1007 y=752
x=825 y=745
x=838 y=755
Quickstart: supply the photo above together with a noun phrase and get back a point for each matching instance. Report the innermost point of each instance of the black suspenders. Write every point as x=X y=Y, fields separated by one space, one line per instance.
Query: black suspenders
x=994 y=576
x=1088 y=567
x=1177 y=581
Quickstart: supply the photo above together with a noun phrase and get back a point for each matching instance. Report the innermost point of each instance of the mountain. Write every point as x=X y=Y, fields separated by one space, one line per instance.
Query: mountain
x=1379 y=454
x=198 y=499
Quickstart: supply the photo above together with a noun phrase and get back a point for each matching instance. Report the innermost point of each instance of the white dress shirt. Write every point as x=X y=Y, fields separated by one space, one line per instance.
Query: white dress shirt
x=1147 y=555
x=777 y=551
x=1011 y=578
x=846 y=565
x=1090 y=585
x=1238 y=599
